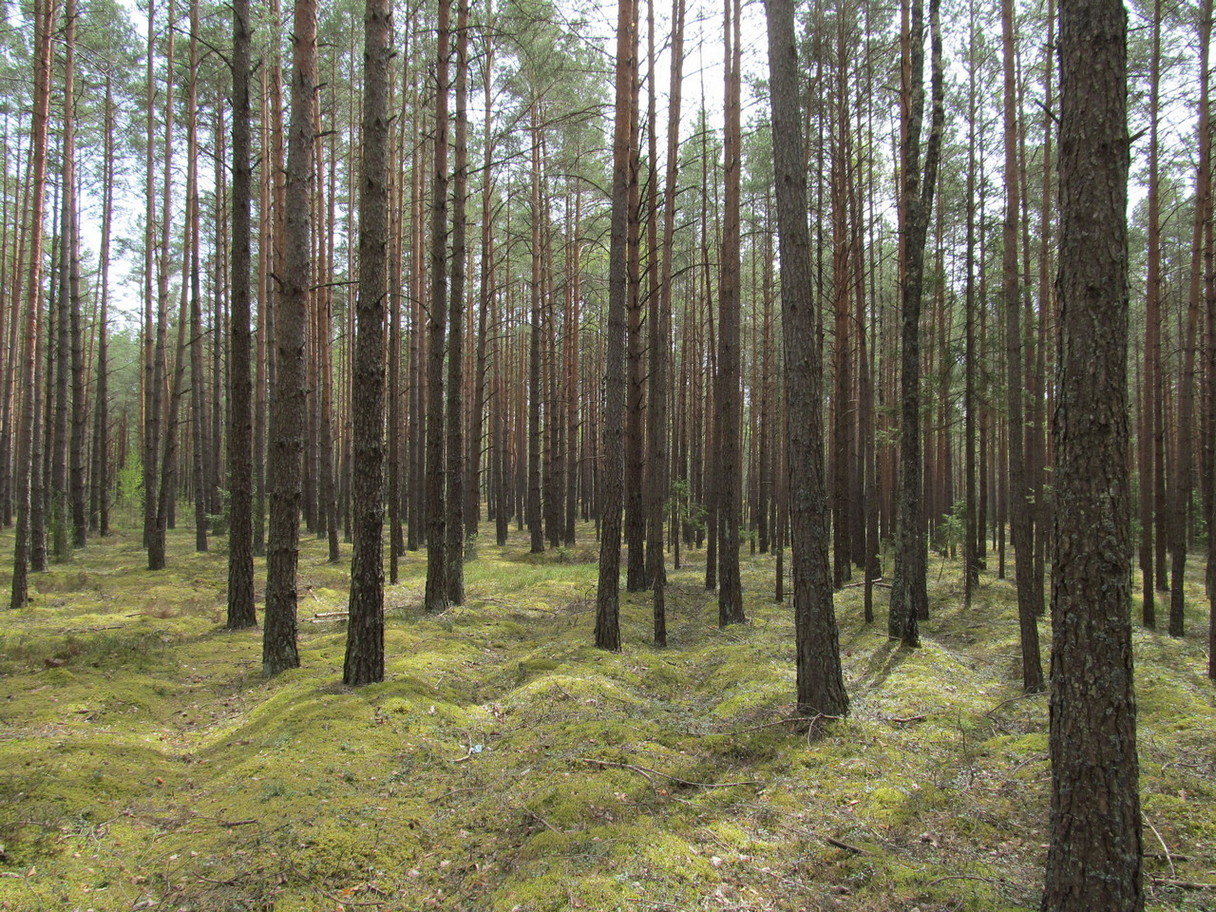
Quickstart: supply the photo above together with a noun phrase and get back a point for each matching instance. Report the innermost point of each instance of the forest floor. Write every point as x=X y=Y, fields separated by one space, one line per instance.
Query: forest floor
x=505 y=764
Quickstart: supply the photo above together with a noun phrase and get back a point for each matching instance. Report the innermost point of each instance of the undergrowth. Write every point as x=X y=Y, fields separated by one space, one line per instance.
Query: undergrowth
x=506 y=765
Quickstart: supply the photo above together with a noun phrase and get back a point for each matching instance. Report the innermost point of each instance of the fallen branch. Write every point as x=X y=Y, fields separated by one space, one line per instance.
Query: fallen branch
x=844 y=845
x=874 y=582
x=1159 y=881
x=647 y=771
x=753 y=728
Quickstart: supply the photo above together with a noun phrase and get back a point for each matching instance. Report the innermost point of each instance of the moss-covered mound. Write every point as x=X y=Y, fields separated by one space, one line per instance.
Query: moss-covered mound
x=505 y=765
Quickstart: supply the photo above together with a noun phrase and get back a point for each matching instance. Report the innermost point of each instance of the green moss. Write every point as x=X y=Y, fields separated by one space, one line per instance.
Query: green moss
x=505 y=763
x=885 y=805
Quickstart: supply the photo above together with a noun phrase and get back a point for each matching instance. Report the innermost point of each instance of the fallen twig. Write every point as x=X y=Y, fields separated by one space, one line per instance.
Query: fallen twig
x=1164 y=847
x=844 y=845
x=1016 y=699
x=537 y=817
x=987 y=880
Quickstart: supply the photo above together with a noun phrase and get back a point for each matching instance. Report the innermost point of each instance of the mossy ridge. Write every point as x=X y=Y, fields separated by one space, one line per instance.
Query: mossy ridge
x=478 y=775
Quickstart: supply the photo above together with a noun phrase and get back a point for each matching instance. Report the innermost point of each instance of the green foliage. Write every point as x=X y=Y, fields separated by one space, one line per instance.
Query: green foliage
x=131 y=483
x=691 y=513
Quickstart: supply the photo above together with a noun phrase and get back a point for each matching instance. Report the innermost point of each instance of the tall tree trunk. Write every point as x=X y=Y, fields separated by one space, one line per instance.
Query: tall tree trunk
x=608 y=502
x=364 y=663
x=436 y=597
x=1183 y=481
x=1149 y=391
x=820 y=680
x=241 y=611
x=909 y=595
x=197 y=396
x=1019 y=506
x=150 y=424
x=972 y=531
x=289 y=401
x=162 y=500
x=77 y=481
x=1094 y=860
x=456 y=343
x=727 y=394
x=660 y=332
x=99 y=475
x=534 y=519
x=15 y=206
x=472 y=504
x=67 y=297
x=842 y=460
x=635 y=364
x=44 y=16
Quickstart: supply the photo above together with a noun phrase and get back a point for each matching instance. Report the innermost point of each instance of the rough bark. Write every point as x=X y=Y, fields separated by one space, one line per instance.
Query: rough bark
x=25 y=492
x=436 y=596
x=727 y=393
x=1094 y=860
x=1019 y=505
x=198 y=426
x=660 y=340
x=241 y=611
x=607 y=599
x=288 y=404
x=455 y=455
x=909 y=595
x=1183 y=482
x=364 y=662
x=820 y=680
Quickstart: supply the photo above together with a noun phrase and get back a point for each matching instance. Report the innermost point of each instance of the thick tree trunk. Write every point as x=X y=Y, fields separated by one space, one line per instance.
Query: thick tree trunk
x=455 y=455
x=727 y=393
x=26 y=451
x=241 y=611
x=436 y=596
x=364 y=663
x=65 y=300
x=198 y=400
x=820 y=680
x=608 y=503
x=150 y=381
x=289 y=401
x=1094 y=860
x=1185 y=460
x=909 y=595
x=77 y=482
x=660 y=335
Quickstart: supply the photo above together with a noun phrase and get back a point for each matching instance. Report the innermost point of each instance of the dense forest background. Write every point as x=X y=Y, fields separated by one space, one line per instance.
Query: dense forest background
x=128 y=331
x=465 y=274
